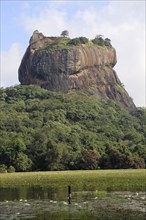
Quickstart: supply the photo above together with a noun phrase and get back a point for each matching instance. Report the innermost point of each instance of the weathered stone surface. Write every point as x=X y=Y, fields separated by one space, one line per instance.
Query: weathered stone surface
x=83 y=68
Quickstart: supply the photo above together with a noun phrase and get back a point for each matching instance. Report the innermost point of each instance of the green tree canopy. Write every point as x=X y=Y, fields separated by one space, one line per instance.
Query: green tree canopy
x=44 y=130
x=65 y=33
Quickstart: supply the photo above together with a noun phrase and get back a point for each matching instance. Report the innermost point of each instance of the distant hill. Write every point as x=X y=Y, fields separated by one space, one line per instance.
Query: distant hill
x=44 y=130
x=65 y=65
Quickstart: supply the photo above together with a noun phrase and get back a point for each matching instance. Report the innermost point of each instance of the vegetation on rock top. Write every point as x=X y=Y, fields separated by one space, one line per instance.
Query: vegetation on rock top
x=66 y=43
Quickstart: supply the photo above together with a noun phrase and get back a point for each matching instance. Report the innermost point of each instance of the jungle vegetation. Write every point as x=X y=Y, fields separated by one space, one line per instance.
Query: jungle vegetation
x=42 y=130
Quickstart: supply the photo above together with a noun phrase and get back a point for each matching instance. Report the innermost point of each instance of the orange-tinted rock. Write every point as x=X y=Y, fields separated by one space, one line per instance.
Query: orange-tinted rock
x=84 y=68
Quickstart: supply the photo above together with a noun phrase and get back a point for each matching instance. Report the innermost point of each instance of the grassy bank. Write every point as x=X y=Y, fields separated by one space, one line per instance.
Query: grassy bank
x=110 y=180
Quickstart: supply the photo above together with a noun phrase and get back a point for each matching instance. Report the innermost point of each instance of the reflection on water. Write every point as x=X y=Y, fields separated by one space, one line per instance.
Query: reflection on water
x=42 y=204
x=30 y=193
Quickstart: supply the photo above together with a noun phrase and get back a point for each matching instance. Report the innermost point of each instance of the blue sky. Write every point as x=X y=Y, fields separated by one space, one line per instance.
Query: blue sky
x=13 y=14
x=121 y=21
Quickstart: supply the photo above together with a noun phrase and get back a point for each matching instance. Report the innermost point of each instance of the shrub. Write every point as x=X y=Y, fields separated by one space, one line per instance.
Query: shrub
x=101 y=42
x=107 y=42
x=3 y=168
x=11 y=169
x=98 y=41
x=83 y=40
x=78 y=40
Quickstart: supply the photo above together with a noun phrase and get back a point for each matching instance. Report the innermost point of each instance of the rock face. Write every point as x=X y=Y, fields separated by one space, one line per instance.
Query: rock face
x=85 y=68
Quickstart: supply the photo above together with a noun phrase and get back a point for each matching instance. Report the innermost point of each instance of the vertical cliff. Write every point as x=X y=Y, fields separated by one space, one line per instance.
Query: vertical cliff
x=56 y=65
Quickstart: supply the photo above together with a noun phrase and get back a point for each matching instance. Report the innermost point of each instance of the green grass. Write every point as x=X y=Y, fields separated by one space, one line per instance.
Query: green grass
x=121 y=88
x=59 y=43
x=62 y=43
x=108 y=180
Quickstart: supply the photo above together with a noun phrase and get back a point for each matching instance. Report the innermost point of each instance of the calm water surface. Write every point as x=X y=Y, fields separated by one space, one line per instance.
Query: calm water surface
x=47 y=203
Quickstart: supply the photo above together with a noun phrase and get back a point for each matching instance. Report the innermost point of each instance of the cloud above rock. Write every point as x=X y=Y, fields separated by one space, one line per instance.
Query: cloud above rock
x=121 y=21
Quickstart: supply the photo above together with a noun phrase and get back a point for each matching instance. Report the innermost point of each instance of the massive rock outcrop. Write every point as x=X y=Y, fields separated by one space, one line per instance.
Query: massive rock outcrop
x=58 y=67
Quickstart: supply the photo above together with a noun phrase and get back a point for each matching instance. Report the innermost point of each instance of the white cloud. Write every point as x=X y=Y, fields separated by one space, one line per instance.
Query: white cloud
x=121 y=21
x=49 y=22
x=10 y=61
x=131 y=62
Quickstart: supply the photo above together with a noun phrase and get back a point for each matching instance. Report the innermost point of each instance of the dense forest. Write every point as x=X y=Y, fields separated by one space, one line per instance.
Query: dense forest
x=43 y=130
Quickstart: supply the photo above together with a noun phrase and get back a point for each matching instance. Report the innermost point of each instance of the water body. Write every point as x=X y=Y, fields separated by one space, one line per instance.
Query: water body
x=38 y=203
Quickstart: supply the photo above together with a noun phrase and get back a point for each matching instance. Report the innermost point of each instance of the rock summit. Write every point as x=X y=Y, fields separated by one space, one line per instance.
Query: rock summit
x=63 y=65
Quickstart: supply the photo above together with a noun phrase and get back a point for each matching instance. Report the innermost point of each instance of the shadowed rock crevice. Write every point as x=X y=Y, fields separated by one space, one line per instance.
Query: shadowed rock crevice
x=83 y=68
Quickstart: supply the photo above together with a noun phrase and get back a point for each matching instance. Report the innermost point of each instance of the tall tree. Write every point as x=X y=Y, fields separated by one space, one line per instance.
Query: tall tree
x=65 y=33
